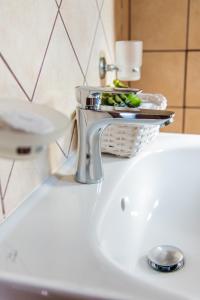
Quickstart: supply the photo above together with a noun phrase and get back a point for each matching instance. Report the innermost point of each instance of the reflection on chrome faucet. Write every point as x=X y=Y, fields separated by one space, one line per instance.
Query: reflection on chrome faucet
x=93 y=118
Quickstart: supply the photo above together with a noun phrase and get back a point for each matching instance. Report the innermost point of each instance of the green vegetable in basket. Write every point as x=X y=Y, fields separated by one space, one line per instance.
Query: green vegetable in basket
x=133 y=100
x=119 y=84
x=111 y=101
x=123 y=96
x=118 y=99
x=121 y=99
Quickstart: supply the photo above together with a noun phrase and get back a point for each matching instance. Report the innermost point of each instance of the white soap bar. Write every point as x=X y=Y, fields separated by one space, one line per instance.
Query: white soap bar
x=26 y=121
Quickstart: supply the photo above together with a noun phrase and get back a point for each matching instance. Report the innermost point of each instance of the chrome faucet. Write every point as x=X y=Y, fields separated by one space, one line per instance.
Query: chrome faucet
x=93 y=118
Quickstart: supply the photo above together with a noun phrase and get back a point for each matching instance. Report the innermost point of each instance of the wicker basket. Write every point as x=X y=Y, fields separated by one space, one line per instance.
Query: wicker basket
x=128 y=140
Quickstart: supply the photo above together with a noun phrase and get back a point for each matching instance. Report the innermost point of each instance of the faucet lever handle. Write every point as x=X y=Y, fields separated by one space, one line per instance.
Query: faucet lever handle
x=93 y=102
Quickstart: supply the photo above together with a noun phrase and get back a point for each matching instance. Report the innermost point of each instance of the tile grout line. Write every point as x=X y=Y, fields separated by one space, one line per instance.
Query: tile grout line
x=100 y=7
x=14 y=76
x=57 y=3
x=186 y=66
x=71 y=138
x=106 y=39
x=64 y=154
x=94 y=38
x=1 y=194
x=61 y=149
x=174 y=106
x=2 y=202
x=45 y=53
x=104 y=31
x=163 y=50
x=191 y=107
x=84 y=75
x=8 y=180
x=170 y=50
x=7 y=184
x=66 y=30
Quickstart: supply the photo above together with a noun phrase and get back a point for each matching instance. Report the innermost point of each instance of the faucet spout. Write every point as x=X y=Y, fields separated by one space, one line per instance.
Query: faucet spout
x=91 y=124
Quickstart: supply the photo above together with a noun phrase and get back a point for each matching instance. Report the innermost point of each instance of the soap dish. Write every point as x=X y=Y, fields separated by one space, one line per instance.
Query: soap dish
x=26 y=129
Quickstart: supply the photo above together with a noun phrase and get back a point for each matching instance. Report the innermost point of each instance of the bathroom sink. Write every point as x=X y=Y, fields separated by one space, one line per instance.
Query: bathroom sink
x=79 y=241
x=157 y=202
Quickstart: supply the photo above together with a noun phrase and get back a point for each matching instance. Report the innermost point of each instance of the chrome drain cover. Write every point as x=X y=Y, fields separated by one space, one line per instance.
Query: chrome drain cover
x=166 y=258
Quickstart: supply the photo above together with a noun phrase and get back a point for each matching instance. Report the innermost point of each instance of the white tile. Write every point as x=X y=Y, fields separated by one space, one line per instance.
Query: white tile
x=26 y=176
x=100 y=49
x=107 y=17
x=2 y=218
x=99 y=3
x=58 y=2
x=56 y=156
x=60 y=74
x=9 y=89
x=5 y=169
x=25 y=28
x=56 y=88
x=81 y=18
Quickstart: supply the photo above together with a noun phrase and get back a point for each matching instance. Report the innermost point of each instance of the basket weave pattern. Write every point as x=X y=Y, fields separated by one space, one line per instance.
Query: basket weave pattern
x=128 y=140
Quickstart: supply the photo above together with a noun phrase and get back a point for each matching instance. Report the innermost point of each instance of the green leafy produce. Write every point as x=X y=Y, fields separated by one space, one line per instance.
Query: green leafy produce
x=119 y=84
x=134 y=100
x=111 y=101
x=118 y=99
x=122 y=99
x=123 y=96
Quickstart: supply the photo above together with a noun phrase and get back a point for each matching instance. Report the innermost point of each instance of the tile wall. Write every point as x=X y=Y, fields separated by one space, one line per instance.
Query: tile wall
x=46 y=49
x=170 y=31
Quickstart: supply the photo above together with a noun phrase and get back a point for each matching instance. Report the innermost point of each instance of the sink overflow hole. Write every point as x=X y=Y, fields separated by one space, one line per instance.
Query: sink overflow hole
x=123 y=204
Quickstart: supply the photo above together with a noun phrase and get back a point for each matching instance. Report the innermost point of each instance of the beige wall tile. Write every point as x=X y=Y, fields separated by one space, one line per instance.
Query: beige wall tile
x=107 y=17
x=56 y=86
x=26 y=176
x=6 y=166
x=1 y=216
x=163 y=73
x=25 y=27
x=192 y=121
x=81 y=28
x=9 y=89
x=99 y=2
x=161 y=24
x=194 y=25
x=93 y=68
x=193 y=80
x=177 y=125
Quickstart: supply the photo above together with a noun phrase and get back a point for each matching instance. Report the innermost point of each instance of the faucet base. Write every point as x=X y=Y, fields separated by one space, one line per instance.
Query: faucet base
x=89 y=181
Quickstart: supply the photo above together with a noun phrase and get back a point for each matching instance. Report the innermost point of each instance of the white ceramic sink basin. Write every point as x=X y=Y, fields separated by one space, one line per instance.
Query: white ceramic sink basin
x=157 y=202
x=74 y=241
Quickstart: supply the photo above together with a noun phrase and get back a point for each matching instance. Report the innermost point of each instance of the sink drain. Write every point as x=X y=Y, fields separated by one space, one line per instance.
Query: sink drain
x=165 y=258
